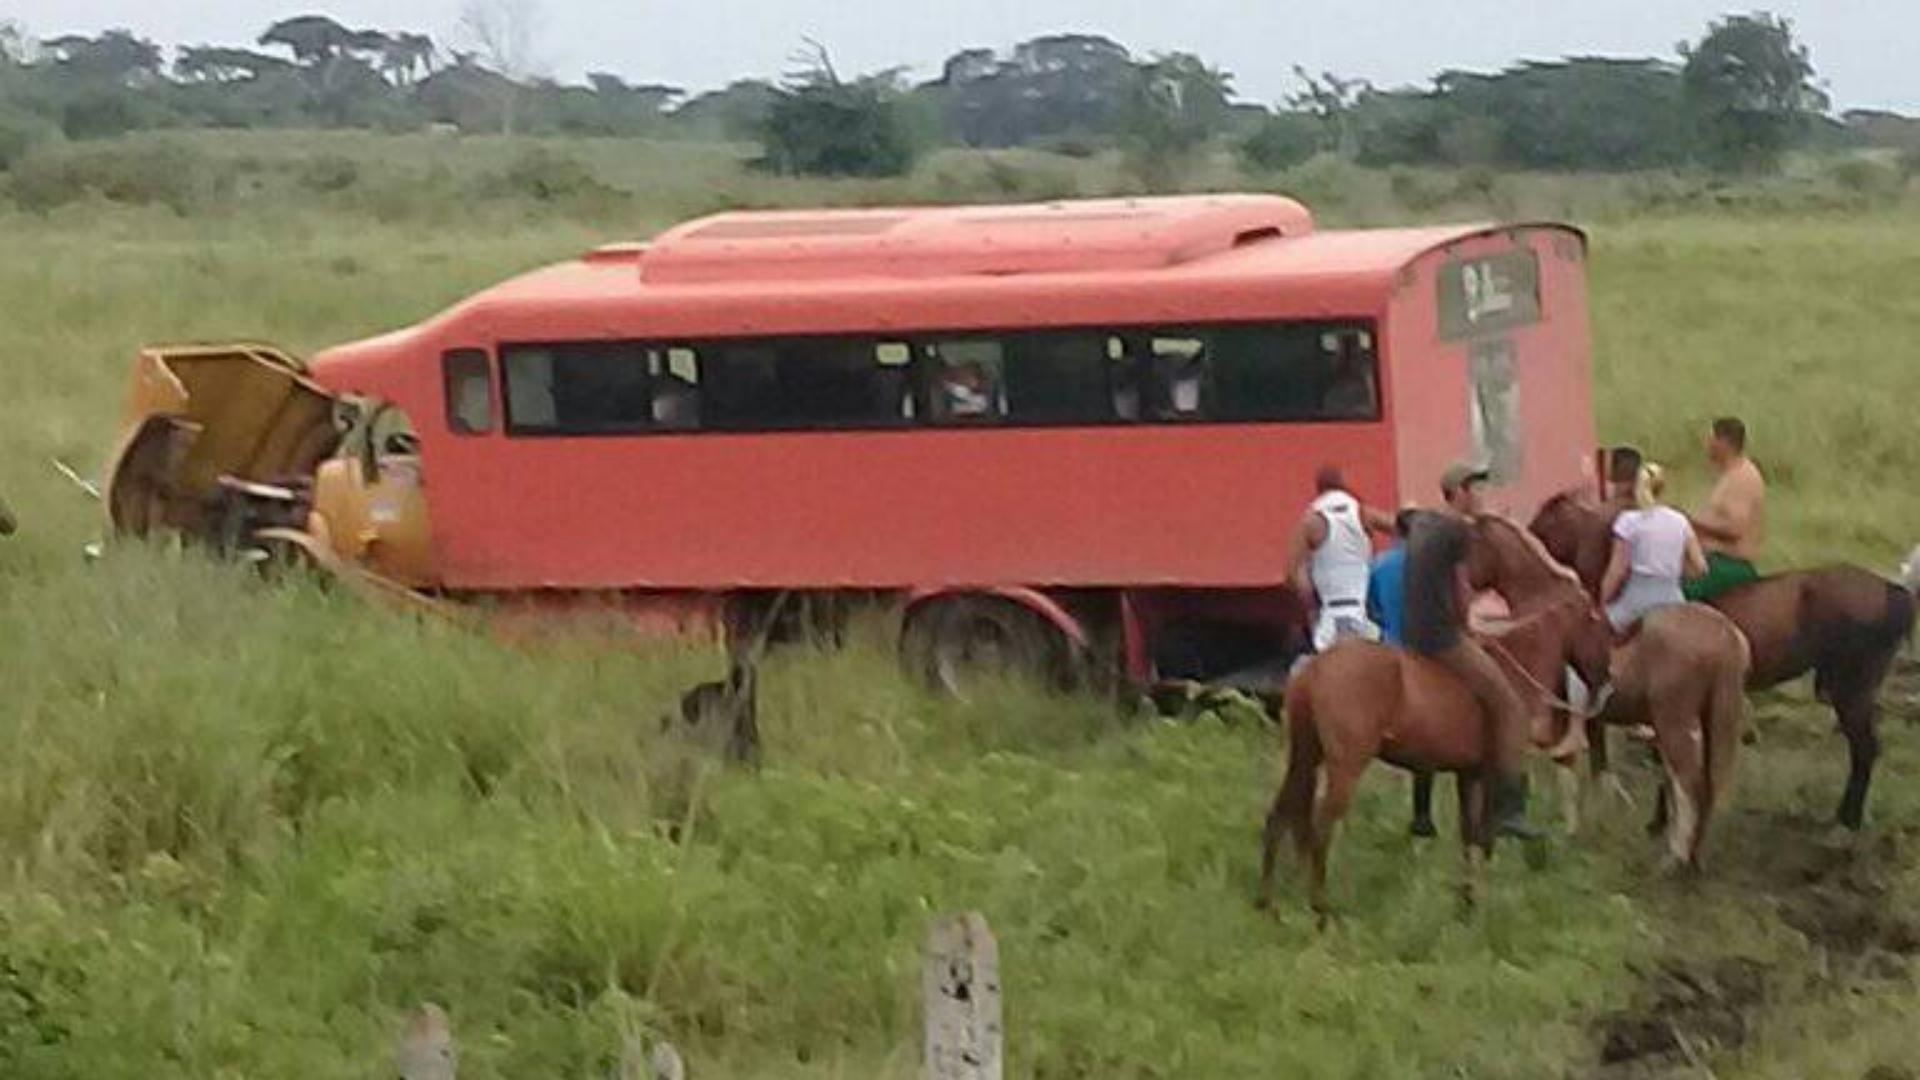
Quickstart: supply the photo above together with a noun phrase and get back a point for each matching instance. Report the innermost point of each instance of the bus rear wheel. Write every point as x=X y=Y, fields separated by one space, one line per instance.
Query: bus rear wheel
x=957 y=644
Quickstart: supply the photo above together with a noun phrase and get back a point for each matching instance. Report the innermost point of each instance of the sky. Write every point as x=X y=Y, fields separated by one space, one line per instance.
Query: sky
x=1863 y=49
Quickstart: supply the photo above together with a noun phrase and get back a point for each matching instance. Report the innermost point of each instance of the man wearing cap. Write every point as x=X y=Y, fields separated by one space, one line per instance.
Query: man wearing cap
x=1435 y=625
x=1332 y=555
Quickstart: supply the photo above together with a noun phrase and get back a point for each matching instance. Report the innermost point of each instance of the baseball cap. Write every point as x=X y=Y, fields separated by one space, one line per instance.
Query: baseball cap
x=1460 y=474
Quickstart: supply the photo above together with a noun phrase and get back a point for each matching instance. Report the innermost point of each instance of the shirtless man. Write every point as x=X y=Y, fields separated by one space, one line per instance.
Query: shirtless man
x=1731 y=525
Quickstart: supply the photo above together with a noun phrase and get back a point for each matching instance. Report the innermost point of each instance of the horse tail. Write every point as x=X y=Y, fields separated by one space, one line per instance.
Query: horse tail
x=1293 y=804
x=1900 y=603
x=1720 y=728
x=1304 y=753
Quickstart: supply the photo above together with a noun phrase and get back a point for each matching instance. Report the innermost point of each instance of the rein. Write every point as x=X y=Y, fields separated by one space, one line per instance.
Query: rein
x=1552 y=699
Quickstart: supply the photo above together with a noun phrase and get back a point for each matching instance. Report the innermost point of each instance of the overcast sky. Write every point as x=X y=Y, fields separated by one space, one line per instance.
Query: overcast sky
x=1866 y=50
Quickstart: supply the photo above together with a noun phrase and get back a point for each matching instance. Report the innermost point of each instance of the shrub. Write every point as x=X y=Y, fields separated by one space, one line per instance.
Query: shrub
x=829 y=128
x=138 y=173
x=1282 y=141
x=21 y=131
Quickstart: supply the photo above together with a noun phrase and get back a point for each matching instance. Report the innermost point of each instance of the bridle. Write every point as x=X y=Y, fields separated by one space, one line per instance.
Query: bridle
x=1549 y=697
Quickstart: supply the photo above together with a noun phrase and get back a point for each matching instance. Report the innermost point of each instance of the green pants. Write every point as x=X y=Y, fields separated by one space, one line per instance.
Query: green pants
x=1724 y=572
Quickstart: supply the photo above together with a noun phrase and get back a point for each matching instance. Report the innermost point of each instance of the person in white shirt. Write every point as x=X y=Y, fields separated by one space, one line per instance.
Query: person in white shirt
x=1332 y=560
x=1654 y=549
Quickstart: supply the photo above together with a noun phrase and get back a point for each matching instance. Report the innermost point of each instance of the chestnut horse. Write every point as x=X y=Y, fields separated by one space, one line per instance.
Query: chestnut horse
x=1361 y=701
x=1842 y=623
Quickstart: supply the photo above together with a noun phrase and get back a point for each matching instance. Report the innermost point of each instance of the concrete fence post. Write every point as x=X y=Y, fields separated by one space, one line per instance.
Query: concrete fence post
x=961 y=999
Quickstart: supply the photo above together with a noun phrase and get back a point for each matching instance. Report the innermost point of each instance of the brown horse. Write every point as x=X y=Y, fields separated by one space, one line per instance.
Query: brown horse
x=1842 y=623
x=1361 y=701
x=1685 y=676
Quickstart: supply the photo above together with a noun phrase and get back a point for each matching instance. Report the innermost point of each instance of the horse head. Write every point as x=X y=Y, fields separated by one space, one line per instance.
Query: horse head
x=1513 y=562
x=1576 y=532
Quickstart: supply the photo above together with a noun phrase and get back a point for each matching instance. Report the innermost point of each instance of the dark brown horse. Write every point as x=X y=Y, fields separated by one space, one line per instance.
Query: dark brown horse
x=1360 y=702
x=1841 y=623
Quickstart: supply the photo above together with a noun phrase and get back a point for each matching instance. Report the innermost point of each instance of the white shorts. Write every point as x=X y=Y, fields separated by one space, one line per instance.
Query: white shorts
x=1336 y=623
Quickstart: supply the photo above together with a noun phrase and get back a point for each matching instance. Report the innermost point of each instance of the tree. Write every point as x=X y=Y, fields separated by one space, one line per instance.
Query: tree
x=1751 y=89
x=505 y=33
x=1331 y=99
x=216 y=64
x=821 y=125
x=312 y=39
x=116 y=57
x=1177 y=106
x=13 y=44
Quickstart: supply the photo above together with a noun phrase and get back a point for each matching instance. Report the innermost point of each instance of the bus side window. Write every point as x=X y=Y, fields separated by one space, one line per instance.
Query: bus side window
x=469 y=386
x=1178 y=388
x=1294 y=371
x=676 y=388
x=575 y=388
x=1127 y=377
x=967 y=383
x=1058 y=377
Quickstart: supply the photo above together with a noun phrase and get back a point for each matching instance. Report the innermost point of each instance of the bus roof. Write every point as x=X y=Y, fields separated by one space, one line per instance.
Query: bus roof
x=850 y=271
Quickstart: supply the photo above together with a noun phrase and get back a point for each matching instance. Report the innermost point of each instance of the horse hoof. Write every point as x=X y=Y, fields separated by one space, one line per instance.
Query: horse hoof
x=1422 y=829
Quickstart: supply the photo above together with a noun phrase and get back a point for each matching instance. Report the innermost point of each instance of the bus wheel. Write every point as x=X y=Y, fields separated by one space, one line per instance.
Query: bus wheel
x=955 y=645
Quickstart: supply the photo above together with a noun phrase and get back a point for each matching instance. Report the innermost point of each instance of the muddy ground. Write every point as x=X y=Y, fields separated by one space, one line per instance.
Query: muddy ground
x=1846 y=907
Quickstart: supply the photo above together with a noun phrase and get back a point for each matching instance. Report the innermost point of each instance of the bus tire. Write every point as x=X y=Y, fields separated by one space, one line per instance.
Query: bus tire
x=950 y=644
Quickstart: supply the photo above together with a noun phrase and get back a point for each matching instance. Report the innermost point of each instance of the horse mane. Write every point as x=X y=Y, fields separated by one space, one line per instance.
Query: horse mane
x=1532 y=545
x=1576 y=497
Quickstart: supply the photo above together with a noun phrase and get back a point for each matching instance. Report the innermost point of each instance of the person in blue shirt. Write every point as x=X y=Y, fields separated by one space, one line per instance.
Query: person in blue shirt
x=1386 y=583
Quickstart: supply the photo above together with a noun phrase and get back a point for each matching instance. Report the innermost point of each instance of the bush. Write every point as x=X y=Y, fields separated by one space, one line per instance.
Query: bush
x=138 y=173
x=544 y=176
x=1282 y=141
x=328 y=173
x=21 y=131
x=1867 y=179
x=831 y=128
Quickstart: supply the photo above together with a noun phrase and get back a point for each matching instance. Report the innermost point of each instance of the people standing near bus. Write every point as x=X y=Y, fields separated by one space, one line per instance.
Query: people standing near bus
x=1332 y=558
x=1438 y=597
x=1387 y=583
x=1730 y=527
x=1653 y=549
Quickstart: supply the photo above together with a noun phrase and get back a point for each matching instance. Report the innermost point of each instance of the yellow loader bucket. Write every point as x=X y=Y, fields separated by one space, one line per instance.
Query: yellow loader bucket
x=196 y=413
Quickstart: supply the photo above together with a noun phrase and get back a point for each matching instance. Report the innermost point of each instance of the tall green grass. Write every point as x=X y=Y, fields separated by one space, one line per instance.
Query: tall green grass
x=243 y=828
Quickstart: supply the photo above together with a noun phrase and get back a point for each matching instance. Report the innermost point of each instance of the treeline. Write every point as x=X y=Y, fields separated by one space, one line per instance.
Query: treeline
x=1739 y=98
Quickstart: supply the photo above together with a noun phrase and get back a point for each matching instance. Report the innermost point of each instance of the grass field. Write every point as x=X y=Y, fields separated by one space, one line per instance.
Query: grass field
x=243 y=828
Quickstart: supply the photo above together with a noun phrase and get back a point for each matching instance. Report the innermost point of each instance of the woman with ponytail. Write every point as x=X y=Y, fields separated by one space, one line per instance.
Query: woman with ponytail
x=1654 y=549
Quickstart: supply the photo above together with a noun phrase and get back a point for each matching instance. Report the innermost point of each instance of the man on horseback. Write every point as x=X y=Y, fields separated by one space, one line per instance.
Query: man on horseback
x=1332 y=557
x=1436 y=604
x=1730 y=527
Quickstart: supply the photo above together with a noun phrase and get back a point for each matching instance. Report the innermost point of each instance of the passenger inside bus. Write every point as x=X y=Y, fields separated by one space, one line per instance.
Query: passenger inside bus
x=1180 y=368
x=967 y=383
x=1350 y=393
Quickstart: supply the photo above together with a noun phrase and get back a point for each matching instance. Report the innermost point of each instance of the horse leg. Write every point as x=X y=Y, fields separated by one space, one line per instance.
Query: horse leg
x=1676 y=733
x=1422 y=825
x=1570 y=792
x=1859 y=723
x=1471 y=791
x=1328 y=808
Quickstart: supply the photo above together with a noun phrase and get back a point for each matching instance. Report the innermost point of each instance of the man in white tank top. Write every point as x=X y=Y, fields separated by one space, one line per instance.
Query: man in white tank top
x=1332 y=560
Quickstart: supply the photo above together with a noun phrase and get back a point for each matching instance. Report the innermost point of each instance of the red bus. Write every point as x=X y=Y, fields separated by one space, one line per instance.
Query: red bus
x=1063 y=432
